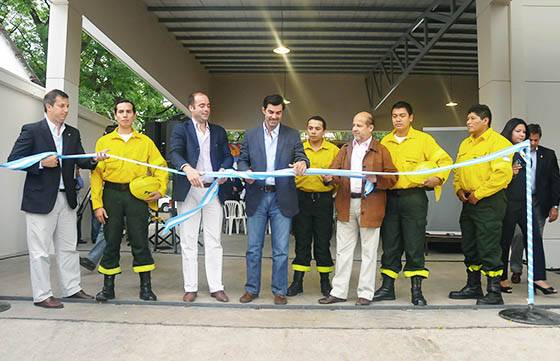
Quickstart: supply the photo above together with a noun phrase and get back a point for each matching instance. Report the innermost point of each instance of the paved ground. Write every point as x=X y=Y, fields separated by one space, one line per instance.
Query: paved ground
x=304 y=330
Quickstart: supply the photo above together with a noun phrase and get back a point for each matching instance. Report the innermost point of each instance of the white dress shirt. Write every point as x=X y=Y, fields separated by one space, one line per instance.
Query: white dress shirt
x=359 y=151
x=57 y=135
x=204 y=163
x=270 y=145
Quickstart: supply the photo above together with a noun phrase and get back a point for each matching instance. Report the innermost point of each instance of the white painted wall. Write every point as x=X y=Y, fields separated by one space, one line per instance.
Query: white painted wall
x=21 y=103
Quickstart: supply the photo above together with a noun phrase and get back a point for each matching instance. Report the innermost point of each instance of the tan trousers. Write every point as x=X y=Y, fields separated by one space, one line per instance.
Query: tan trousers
x=347 y=234
x=58 y=229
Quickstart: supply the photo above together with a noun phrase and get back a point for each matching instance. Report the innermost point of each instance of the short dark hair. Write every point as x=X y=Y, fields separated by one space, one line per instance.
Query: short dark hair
x=274 y=99
x=482 y=111
x=123 y=100
x=510 y=126
x=190 y=99
x=534 y=129
x=50 y=97
x=402 y=104
x=319 y=118
x=110 y=128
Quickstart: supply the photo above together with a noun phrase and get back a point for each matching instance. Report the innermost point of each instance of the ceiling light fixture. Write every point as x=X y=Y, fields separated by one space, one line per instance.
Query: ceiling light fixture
x=451 y=102
x=281 y=49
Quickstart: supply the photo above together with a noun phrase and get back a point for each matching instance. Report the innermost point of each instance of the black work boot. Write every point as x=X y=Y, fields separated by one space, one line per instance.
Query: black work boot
x=472 y=289
x=146 y=293
x=108 y=291
x=494 y=295
x=297 y=285
x=387 y=290
x=416 y=291
x=325 y=284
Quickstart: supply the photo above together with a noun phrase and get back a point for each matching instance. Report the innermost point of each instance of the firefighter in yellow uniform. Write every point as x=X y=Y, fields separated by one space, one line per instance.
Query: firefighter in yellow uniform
x=115 y=199
x=314 y=223
x=404 y=225
x=481 y=189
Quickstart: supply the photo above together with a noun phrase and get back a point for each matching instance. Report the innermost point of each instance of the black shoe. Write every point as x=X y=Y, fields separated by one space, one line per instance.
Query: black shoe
x=547 y=291
x=108 y=291
x=146 y=293
x=472 y=290
x=387 y=290
x=416 y=291
x=326 y=286
x=87 y=264
x=297 y=285
x=494 y=295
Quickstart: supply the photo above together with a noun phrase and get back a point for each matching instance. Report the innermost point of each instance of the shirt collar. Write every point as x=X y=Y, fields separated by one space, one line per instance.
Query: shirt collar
x=198 y=129
x=274 y=131
x=307 y=144
x=412 y=133
x=363 y=144
x=52 y=126
x=115 y=134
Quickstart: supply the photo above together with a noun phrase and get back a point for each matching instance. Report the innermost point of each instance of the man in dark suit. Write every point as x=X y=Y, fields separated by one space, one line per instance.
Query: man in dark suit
x=49 y=199
x=546 y=194
x=268 y=147
x=197 y=146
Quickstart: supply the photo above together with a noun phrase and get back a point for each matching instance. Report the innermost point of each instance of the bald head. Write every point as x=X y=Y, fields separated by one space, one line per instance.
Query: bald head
x=362 y=126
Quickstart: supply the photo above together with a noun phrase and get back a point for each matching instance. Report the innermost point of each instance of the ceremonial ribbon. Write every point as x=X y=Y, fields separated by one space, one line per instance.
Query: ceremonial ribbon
x=523 y=148
x=26 y=162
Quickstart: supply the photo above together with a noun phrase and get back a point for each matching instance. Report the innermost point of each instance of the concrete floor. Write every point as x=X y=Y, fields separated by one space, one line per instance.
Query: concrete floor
x=130 y=329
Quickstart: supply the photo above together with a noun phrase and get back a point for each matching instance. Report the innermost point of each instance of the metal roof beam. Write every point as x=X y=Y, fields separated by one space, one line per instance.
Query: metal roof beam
x=303 y=37
x=434 y=13
x=295 y=47
x=329 y=29
x=286 y=20
x=321 y=8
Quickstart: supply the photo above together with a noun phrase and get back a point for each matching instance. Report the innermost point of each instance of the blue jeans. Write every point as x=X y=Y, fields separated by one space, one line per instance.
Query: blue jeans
x=280 y=227
x=96 y=252
x=95 y=227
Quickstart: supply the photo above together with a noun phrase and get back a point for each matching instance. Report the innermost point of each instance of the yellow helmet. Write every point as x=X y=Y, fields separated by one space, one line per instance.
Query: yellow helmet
x=421 y=178
x=141 y=187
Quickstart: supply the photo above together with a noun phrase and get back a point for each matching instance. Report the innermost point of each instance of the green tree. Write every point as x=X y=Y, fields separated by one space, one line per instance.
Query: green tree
x=102 y=76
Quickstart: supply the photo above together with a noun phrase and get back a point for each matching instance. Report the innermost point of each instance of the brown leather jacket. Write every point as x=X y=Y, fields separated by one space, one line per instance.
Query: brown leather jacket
x=377 y=159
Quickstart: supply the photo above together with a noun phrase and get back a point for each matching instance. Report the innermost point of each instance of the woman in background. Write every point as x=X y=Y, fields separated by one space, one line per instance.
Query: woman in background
x=515 y=131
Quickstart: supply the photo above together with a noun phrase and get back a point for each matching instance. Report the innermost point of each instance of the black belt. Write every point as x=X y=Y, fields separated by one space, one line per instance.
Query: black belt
x=122 y=187
x=315 y=195
x=403 y=192
x=62 y=190
x=268 y=188
x=355 y=195
x=207 y=185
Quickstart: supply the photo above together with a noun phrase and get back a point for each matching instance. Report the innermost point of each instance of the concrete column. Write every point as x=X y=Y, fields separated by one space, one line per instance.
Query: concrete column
x=63 y=58
x=494 y=75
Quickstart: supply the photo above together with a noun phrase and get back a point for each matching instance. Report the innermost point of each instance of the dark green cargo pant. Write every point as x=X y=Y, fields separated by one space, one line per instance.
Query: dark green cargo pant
x=404 y=230
x=122 y=206
x=481 y=228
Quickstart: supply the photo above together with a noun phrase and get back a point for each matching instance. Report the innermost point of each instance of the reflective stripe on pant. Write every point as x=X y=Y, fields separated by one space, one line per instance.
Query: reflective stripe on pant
x=313 y=228
x=347 y=234
x=121 y=205
x=481 y=228
x=58 y=229
x=211 y=216
x=404 y=231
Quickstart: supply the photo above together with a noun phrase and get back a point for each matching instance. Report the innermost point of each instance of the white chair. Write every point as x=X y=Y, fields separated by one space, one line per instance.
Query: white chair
x=230 y=215
x=241 y=217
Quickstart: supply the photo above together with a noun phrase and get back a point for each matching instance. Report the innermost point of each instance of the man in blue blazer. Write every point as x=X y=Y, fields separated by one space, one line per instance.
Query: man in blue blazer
x=268 y=147
x=197 y=146
x=49 y=200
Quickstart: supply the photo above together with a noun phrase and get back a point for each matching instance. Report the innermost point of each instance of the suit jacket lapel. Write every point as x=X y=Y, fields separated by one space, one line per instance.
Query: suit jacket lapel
x=191 y=132
x=48 y=136
x=260 y=145
x=540 y=164
x=66 y=135
x=280 y=144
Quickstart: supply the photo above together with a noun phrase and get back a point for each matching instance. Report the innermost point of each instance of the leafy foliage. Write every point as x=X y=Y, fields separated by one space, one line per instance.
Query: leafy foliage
x=103 y=78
